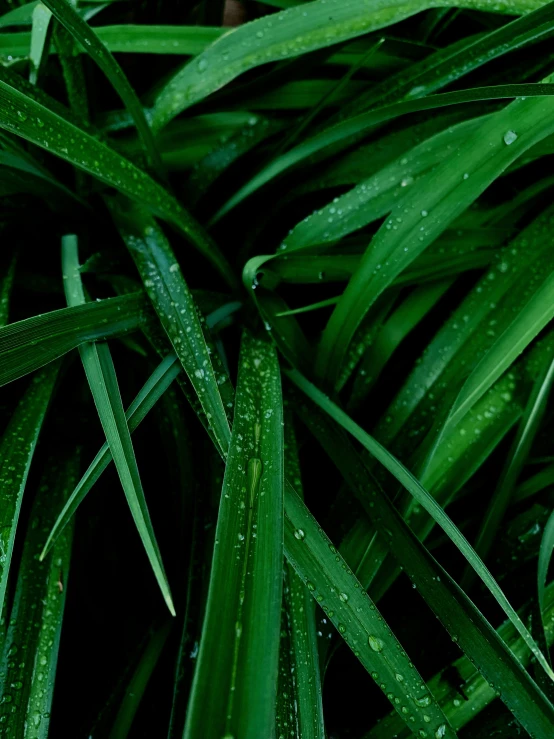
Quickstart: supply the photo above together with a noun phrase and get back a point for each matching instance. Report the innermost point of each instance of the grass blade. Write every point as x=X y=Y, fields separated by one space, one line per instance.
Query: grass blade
x=40 y=39
x=37 y=614
x=17 y=448
x=414 y=487
x=464 y=622
x=527 y=324
x=173 y=302
x=296 y=31
x=357 y=620
x=306 y=703
x=83 y=33
x=463 y=702
x=441 y=196
x=150 y=393
x=34 y=342
x=343 y=133
x=235 y=683
x=519 y=451
x=31 y=120
x=102 y=380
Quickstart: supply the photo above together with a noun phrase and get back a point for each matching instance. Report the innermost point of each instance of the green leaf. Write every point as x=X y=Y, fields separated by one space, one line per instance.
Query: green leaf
x=528 y=428
x=462 y=704
x=34 y=342
x=526 y=325
x=377 y=195
x=516 y=272
x=357 y=620
x=17 y=448
x=306 y=700
x=414 y=487
x=465 y=623
x=343 y=133
x=440 y=197
x=40 y=38
x=148 y=396
x=128 y=38
x=235 y=683
x=34 y=122
x=457 y=60
x=397 y=326
x=37 y=612
x=166 y=287
x=296 y=31
x=98 y=365
x=82 y=32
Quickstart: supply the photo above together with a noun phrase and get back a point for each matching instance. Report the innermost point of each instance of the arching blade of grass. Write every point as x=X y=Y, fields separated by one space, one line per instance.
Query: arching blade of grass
x=441 y=196
x=166 y=287
x=345 y=131
x=25 y=117
x=34 y=342
x=356 y=618
x=84 y=34
x=465 y=623
x=296 y=31
x=306 y=700
x=523 y=329
x=463 y=340
x=462 y=703
x=517 y=456
x=235 y=683
x=17 y=448
x=36 y=616
x=377 y=195
x=414 y=487
x=98 y=365
x=458 y=59
x=150 y=393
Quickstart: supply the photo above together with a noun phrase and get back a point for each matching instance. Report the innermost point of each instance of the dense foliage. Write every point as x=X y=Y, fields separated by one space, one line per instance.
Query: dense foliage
x=307 y=248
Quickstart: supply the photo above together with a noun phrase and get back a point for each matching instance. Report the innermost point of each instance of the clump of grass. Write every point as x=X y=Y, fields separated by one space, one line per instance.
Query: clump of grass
x=310 y=257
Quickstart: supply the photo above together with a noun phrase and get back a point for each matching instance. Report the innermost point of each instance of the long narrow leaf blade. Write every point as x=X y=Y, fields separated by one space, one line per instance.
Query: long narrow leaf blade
x=166 y=287
x=414 y=487
x=235 y=683
x=98 y=365
x=17 y=448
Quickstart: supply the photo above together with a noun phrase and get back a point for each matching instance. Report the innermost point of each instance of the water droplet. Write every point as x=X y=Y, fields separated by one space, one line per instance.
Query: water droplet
x=375 y=643
x=299 y=534
x=423 y=701
x=343 y=597
x=424 y=213
x=202 y=65
x=440 y=732
x=510 y=137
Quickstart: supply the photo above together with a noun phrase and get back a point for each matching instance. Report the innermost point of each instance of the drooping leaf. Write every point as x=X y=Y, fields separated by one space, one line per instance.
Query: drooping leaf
x=34 y=342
